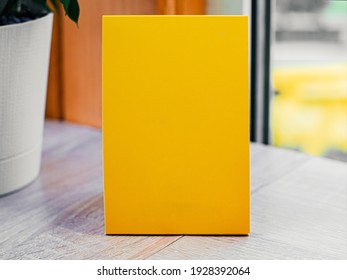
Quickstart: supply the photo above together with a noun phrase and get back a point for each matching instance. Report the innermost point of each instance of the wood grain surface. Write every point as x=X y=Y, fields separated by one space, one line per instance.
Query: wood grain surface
x=167 y=7
x=81 y=56
x=298 y=209
x=181 y=7
x=54 y=94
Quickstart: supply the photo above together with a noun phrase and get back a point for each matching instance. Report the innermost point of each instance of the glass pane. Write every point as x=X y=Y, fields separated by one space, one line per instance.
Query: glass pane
x=225 y=7
x=309 y=109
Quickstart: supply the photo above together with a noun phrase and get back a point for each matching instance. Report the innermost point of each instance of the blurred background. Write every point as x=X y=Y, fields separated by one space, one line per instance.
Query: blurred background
x=309 y=75
x=298 y=66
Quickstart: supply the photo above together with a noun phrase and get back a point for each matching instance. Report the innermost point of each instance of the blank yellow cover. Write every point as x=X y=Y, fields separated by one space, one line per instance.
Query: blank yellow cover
x=175 y=124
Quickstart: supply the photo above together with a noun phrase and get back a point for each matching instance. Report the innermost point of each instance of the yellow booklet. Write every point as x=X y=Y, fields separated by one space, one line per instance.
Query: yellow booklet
x=175 y=124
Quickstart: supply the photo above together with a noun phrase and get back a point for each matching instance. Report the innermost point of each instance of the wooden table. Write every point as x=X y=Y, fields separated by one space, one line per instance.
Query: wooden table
x=298 y=209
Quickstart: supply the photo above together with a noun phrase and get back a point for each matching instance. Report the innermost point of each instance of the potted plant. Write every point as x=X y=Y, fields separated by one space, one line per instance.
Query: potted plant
x=25 y=39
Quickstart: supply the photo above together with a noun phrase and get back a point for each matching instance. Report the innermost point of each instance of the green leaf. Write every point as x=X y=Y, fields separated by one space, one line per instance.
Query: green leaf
x=65 y=4
x=35 y=7
x=72 y=9
x=10 y=6
x=39 y=7
x=36 y=4
x=3 y=4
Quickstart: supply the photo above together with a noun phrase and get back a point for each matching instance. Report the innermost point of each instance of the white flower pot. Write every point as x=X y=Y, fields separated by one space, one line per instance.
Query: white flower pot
x=24 y=61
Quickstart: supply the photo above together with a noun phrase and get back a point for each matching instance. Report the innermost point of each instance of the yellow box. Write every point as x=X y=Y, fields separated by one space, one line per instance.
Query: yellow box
x=175 y=124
